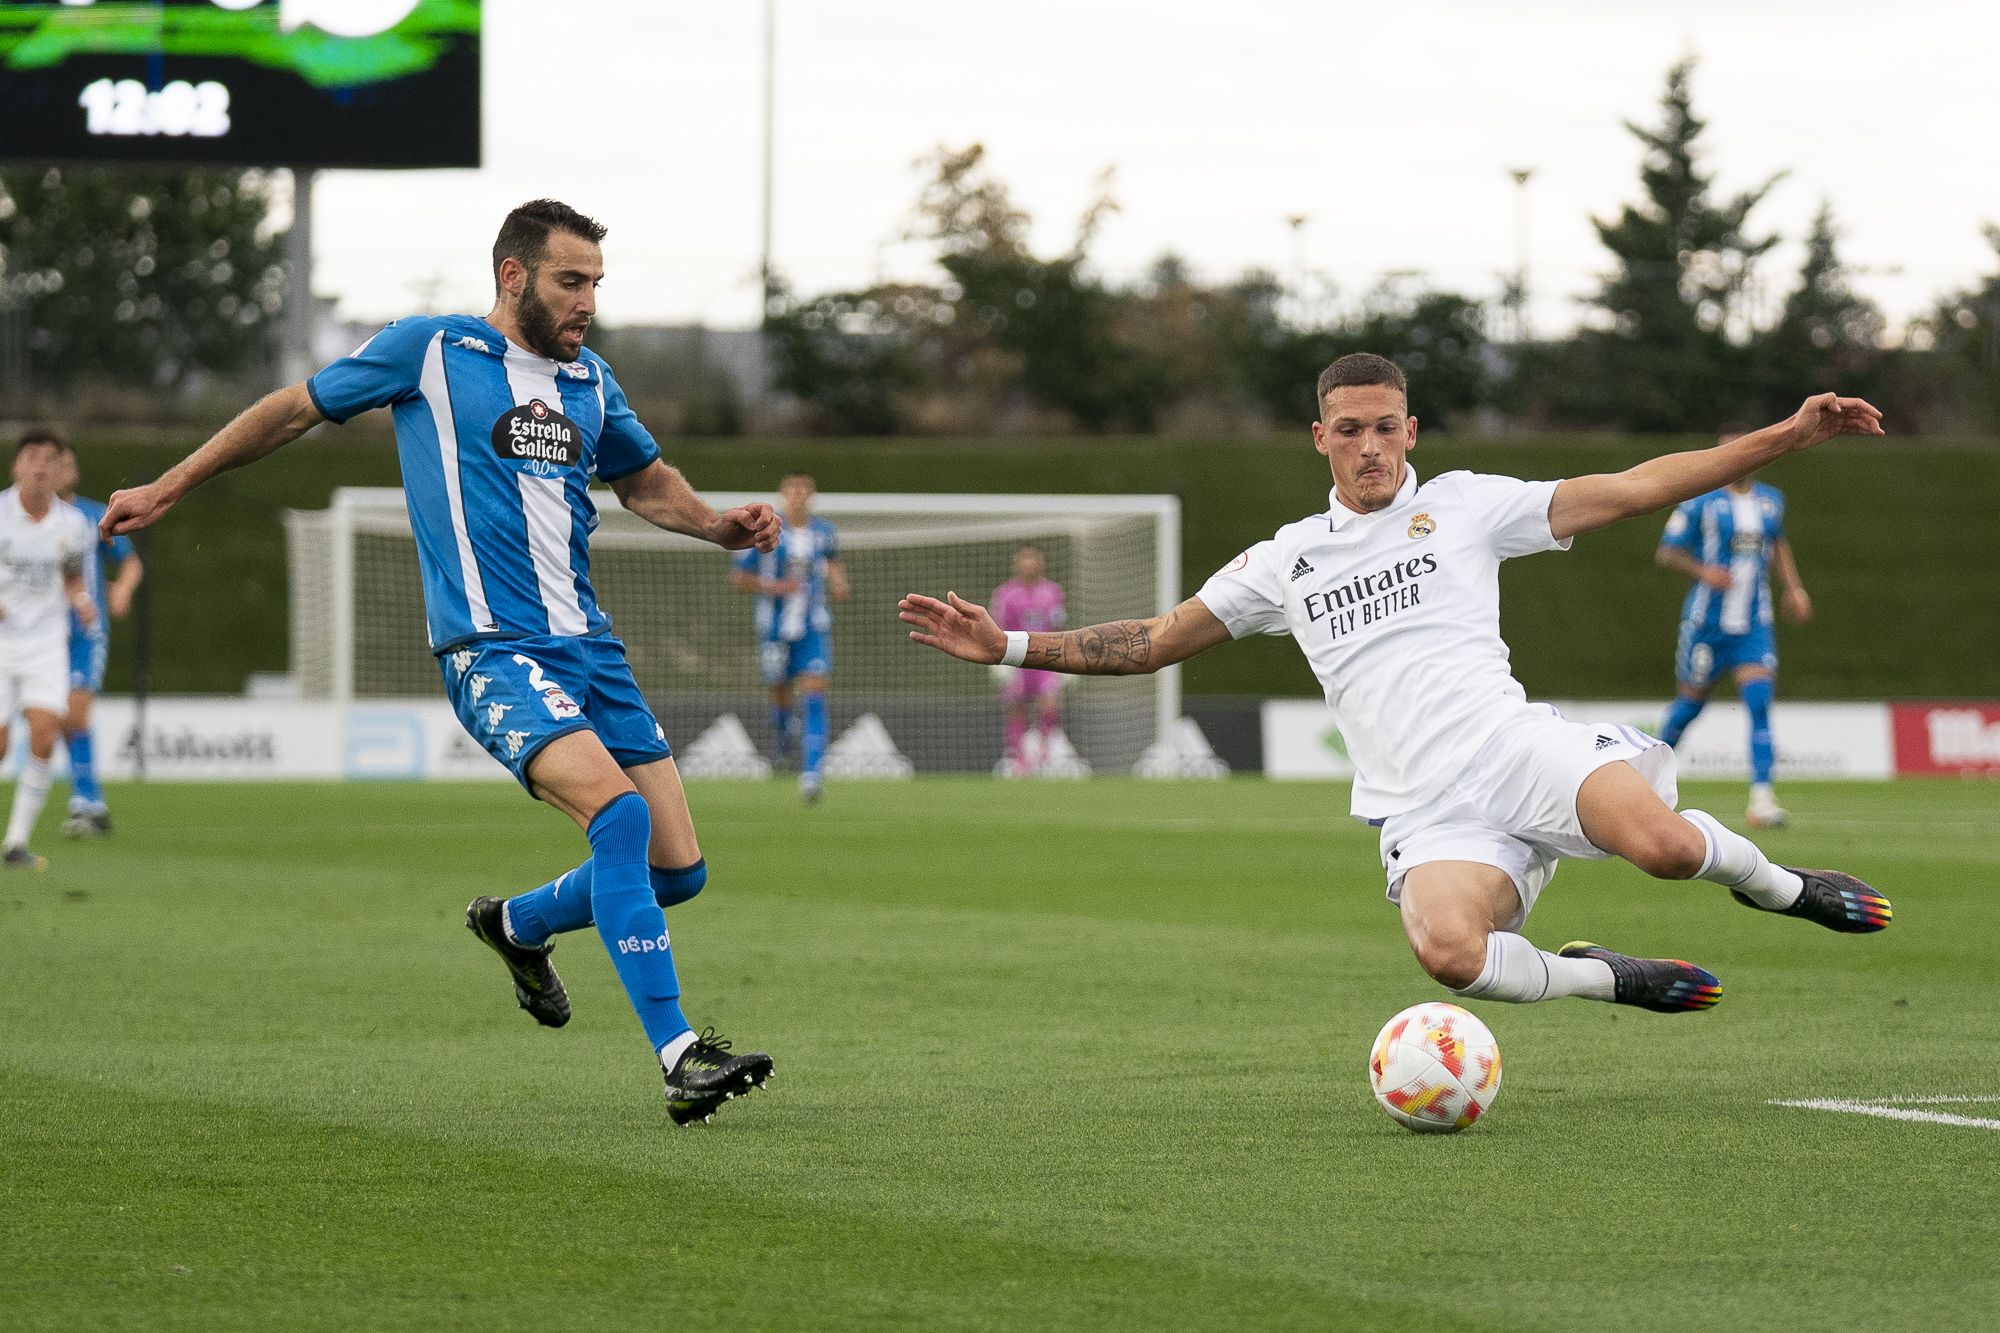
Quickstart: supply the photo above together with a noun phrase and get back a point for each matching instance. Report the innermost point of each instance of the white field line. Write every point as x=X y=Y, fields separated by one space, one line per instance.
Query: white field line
x=1899 y=1108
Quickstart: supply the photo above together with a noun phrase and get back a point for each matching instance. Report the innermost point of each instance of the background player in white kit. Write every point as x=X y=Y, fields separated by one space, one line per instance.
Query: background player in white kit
x=43 y=544
x=1393 y=594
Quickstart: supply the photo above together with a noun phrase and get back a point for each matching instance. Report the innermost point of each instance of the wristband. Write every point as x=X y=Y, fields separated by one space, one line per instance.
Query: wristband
x=1017 y=648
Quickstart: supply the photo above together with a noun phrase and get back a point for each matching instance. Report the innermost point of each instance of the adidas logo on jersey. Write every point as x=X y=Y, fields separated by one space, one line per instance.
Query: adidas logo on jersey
x=1605 y=742
x=1301 y=569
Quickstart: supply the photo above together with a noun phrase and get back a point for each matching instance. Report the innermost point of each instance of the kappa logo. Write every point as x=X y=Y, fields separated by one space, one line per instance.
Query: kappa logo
x=462 y=659
x=1301 y=569
x=471 y=344
x=478 y=683
x=1423 y=525
x=495 y=712
x=515 y=740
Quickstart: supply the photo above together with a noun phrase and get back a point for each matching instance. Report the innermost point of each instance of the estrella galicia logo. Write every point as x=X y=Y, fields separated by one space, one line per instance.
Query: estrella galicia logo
x=536 y=433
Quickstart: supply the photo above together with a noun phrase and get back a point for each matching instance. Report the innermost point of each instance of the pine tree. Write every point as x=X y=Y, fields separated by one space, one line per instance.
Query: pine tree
x=1827 y=336
x=1664 y=356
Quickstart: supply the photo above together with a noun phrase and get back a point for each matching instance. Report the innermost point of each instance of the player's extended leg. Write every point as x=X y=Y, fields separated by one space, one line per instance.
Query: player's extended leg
x=1622 y=814
x=1756 y=686
x=781 y=721
x=87 y=814
x=577 y=775
x=32 y=790
x=811 y=687
x=1686 y=707
x=1456 y=916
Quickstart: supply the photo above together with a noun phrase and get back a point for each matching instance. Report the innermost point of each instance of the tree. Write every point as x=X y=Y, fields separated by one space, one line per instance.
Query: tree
x=1064 y=329
x=849 y=357
x=1961 y=354
x=1665 y=358
x=138 y=277
x=1826 y=337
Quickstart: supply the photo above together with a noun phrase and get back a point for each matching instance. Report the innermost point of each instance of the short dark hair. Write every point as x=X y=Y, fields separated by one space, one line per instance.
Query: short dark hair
x=38 y=435
x=525 y=233
x=805 y=477
x=1359 y=368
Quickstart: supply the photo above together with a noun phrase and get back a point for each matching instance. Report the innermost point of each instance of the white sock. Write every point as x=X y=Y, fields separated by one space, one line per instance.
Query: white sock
x=1516 y=972
x=29 y=793
x=1734 y=860
x=1761 y=792
x=671 y=1052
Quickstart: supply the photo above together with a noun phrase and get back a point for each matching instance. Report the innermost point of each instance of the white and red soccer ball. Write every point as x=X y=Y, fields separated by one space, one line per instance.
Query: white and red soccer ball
x=1435 y=1068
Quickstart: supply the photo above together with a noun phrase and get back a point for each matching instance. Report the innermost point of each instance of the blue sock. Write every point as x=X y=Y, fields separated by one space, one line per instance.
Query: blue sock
x=1682 y=711
x=813 y=750
x=781 y=731
x=673 y=887
x=83 y=768
x=561 y=905
x=1757 y=698
x=633 y=927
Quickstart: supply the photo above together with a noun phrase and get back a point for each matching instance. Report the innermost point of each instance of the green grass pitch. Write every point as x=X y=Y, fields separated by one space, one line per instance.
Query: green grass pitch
x=1056 y=1056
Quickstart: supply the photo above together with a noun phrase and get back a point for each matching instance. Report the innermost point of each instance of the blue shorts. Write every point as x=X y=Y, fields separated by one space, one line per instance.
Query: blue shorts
x=88 y=654
x=1705 y=654
x=514 y=696
x=810 y=656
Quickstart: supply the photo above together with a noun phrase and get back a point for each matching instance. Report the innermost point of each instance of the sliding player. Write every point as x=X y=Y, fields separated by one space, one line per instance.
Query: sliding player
x=43 y=544
x=1726 y=541
x=90 y=650
x=500 y=424
x=1393 y=593
x=793 y=585
x=1029 y=601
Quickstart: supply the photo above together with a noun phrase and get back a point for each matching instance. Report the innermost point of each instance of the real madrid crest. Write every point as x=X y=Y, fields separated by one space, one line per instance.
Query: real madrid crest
x=1421 y=527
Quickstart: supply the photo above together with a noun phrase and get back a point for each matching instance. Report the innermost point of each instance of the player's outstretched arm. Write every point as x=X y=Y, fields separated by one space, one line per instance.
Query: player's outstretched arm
x=1682 y=561
x=1117 y=648
x=1584 y=504
x=263 y=428
x=659 y=494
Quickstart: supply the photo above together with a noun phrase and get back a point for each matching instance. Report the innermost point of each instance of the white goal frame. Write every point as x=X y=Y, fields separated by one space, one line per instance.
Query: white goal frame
x=354 y=508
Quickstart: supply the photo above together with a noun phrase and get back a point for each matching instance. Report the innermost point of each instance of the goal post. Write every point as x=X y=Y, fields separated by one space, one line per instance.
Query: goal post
x=358 y=629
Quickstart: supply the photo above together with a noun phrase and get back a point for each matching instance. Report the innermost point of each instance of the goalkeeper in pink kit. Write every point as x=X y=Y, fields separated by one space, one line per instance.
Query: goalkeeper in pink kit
x=1029 y=601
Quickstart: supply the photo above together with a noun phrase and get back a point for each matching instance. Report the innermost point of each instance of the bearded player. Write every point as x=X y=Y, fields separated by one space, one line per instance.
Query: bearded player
x=1393 y=594
x=501 y=423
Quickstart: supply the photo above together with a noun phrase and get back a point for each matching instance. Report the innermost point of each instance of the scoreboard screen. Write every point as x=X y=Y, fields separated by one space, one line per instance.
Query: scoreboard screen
x=303 y=83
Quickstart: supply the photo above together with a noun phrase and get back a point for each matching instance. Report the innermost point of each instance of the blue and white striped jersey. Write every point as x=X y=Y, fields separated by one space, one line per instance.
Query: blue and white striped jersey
x=116 y=551
x=498 y=446
x=802 y=555
x=1739 y=532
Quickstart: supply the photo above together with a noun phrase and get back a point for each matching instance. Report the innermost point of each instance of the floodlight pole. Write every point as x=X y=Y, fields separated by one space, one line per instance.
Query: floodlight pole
x=765 y=272
x=295 y=360
x=1524 y=330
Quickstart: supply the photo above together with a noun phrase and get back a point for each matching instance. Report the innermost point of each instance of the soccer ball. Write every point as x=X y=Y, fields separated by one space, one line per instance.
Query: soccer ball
x=1435 y=1068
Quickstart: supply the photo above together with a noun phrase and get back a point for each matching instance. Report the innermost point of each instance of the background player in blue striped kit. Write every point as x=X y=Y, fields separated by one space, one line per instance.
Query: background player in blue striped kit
x=1728 y=541
x=500 y=425
x=793 y=585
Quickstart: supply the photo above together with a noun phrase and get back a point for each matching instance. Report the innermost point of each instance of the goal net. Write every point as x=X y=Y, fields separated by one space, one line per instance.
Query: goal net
x=358 y=625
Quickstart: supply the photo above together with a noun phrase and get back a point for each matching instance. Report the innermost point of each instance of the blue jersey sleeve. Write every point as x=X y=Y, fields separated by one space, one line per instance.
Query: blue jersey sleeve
x=829 y=547
x=1777 y=515
x=1681 y=527
x=744 y=561
x=119 y=549
x=379 y=373
x=624 y=446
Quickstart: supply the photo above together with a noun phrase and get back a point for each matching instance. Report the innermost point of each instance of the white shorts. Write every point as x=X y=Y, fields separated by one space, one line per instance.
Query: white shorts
x=34 y=676
x=1514 y=807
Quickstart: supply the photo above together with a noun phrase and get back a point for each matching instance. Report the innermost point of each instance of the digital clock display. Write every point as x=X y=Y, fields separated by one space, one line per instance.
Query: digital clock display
x=307 y=83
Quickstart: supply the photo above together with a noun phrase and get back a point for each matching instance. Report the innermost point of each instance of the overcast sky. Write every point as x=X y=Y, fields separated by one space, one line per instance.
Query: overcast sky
x=1391 y=126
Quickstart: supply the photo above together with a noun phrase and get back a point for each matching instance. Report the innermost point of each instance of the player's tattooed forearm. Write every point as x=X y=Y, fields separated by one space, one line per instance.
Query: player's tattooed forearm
x=1117 y=649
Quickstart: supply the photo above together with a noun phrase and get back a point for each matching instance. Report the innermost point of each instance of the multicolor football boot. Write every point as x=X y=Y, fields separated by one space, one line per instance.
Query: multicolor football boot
x=1836 y=901
x=1664 y=985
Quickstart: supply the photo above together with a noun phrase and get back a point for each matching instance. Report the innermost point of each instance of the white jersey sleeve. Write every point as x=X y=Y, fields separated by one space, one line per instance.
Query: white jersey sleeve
x=1247 y=594
x=77 y=542
x=1514 y=512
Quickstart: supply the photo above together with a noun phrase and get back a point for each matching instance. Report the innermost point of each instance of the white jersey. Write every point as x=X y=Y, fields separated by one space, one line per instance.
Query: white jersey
x=34 y=556
x=1399 y=613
